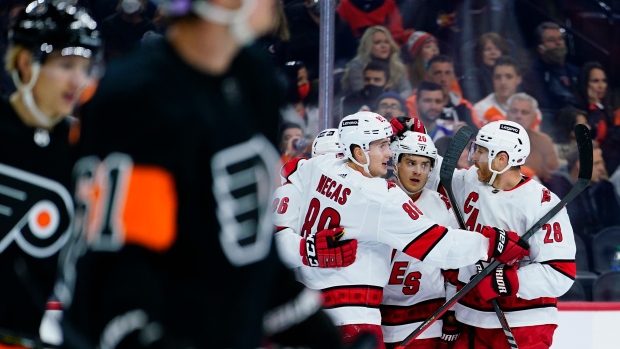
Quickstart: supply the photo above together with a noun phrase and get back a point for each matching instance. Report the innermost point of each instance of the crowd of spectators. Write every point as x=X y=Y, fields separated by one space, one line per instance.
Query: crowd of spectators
x=386 y=63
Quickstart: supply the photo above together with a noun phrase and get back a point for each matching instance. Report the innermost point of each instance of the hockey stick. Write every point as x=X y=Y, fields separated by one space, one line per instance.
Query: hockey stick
x=584 y=144
x=451 y=158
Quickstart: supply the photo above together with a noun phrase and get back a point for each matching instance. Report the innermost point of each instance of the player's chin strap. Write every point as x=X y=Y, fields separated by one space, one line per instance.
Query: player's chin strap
x=364 y=166
x=237 y=20
x=26 y=92
x=495 y=173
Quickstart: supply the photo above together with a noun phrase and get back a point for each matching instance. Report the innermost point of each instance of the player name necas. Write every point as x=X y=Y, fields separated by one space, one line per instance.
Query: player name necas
x=333 y=190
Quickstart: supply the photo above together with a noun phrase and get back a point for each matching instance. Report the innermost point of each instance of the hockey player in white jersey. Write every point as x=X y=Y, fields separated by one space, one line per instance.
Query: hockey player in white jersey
x=326 y=142
x=349 y=193
x=493 y=192
x=415 y=290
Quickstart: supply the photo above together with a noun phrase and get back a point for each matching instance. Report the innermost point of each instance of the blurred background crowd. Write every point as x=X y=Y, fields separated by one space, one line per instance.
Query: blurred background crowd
x=546 y=64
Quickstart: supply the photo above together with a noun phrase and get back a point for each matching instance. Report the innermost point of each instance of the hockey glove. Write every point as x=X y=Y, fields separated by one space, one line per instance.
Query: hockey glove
x=325 y=249
x=502 y=282
x=505 y=246
x=449 y=332
x=401 y=124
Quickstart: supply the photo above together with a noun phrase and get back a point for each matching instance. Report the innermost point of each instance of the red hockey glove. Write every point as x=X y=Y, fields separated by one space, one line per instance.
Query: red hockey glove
x=401 y=124
x=505 y=246
x=449 y=332
x=502 y=282
x=325 y=249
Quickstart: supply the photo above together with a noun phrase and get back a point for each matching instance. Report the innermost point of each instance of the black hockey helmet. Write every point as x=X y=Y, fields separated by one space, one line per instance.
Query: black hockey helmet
x=48 y=25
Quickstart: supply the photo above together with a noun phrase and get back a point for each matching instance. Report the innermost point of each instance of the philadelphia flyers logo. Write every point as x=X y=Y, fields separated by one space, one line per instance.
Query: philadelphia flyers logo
x=35 y=212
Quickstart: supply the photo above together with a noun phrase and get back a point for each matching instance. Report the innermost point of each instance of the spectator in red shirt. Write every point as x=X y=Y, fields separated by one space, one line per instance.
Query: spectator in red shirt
x=362 y=14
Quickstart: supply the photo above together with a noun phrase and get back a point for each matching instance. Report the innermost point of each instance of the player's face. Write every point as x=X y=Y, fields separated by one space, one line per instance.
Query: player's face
x=379 y=156
x=60 y=84
x=413 y=172
x=480 y=157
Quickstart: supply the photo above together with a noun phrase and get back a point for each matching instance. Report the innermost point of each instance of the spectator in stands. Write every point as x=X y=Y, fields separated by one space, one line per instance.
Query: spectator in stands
x=456 y=109
x=506 y=81
x=390 y=105
x=376 y=44
x=376 y=77
x=290 y=141
x=542 y=159
x=125 y=28
x=550 y=79
x=564 y=135
x=603 y=117
x=304 y=24
x=301 y=99
x=598 y=205
x=420 y=48
x=362 y=14
x=429 y=102
x=480 y=83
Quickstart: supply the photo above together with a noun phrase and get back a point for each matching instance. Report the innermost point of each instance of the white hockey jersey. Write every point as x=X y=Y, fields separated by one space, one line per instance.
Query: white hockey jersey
x=415 y=290
x=381 y=217
x=546 y=274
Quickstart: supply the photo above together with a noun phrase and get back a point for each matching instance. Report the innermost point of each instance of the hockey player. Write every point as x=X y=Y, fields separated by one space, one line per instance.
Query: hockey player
x=52 y=46
x=493 y=192
x=347 y=193
x=326 y=142
x=415 y=290
x=174 y=245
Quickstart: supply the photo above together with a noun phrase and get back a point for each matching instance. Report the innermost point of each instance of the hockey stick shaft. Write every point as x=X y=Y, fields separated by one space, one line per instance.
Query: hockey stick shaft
x=584 y=144
x=450 y=160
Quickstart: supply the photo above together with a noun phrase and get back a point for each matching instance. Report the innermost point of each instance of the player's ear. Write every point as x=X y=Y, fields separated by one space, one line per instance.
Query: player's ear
x=358 y=154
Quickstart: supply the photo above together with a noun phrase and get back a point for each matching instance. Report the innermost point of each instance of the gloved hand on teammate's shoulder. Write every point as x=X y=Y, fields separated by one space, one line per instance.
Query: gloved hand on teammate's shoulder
x=450 y=331
x=401 y=124
x=502 y=282
x=325 y=249
x=506 y=247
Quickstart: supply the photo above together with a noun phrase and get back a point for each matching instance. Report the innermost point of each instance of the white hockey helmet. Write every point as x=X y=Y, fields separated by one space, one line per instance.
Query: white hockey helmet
x=504 y=136
x=414 y=143
x=361 y=129
x=326 y=141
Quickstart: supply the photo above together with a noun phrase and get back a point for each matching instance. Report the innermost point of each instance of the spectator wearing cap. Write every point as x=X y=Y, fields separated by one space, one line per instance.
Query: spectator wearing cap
x=376 y=81
x=362 y=14
x=376 y=44
x=390 y=105
x=420 y=48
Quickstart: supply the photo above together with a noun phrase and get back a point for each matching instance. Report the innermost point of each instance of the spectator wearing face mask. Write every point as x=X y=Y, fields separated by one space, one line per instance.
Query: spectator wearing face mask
x=551 y=80
x=301 y=104
x=125 y=28
x=376 y=81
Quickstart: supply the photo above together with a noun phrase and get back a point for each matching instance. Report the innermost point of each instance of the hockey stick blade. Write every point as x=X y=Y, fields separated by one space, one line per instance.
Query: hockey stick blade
x=450 y=160
x=584 y=145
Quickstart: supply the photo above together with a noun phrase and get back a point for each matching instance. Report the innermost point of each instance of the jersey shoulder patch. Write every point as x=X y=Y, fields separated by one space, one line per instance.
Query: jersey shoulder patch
x=290 y=167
